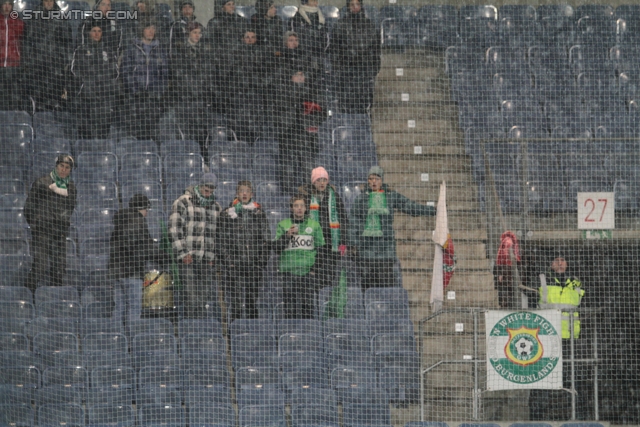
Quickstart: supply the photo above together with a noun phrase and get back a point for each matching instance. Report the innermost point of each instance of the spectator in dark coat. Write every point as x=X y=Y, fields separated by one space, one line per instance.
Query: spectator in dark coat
x=226 y=28
x=48 y=52
x=11 y=35
x=147 y=10
x=193 y=84
x=145 y=69
x=325 y=206
x=131 y=245
x=245 y=244
x=48 y=209
x=249 y=82
x=309 y=24
x=113 y=32
x=268 y=26
x=355 y=56
x=297 y=147
x=179 y=33
x=95 y=70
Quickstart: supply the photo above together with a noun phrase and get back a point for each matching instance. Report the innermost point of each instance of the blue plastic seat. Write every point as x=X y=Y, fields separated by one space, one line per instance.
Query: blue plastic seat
x=56 y=346
x=56 y=293
x=97 y=167
x=260 y=396
x=182 y=167
x=179 y=147
x=17 y=415
x=75 y=377
x=17 y=137
x=159 y=385
x=67 y=414
x=176 y=189
x=150 y=326
x=437 y=25
x=162 y=415
x=137 y=167
x=13 y=342
x=17 y=246
x=114 y=415
x=555 y=23
x=151 y=189
x=265 y=146
x=203 y=349
x=304 y=377
x=354 y=308
x=314 y=414
x=112 y=385
x=252 y=326
x=262 y=416
x=271 y=196
x=135 y=146
x=387 y=325
x=17 y=310
x=345 y=380
x=210 y=415
x=265 y=167
x=97 y=195
x=397 y=25
x=386 y=310
x=226 y=192
x=205 y=326
x=298 y=326
x=253 y=350
x=106 y=348
x=245 y=11
x=300 y=343
x=231 y=166
x=18 y=383
x=479 y=25
x=248 y=378
x=359 y=414
x=354 y=166
x=42 y=163
x=60 y=309
x=346 y=326
x=54 y=124
x=94 y=146
x=15 y=293
x=12 y=186
x=206 y=385
x=154 y=350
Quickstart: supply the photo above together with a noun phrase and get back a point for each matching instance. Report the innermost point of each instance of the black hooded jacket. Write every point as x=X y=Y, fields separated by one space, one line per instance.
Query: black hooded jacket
x=355 y=43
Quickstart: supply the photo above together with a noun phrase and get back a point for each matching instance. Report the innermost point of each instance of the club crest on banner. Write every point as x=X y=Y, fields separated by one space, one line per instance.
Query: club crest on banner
x=524 y=350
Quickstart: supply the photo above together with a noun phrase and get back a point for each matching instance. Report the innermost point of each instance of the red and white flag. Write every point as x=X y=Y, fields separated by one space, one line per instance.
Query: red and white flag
x=444 y=259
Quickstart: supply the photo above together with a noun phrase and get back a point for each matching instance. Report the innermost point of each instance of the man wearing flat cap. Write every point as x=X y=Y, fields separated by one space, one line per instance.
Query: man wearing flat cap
x=192 y=229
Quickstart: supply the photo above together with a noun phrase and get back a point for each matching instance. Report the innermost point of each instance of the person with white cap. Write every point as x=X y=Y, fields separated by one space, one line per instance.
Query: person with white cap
x=192 y=230
x=371 y=229
x=326 y=207
x=48 y=209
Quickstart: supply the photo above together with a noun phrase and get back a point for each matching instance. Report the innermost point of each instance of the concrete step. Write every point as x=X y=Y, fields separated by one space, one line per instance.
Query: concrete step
x=465 y=250
x=457 y=221
x=412 y=60
x=447 y=408
x=408 y=110
x=412 y=86
x=462 y=200
x=426 y=264
x=415 y=125
x=478 y=282
x=425 y=235
x=384 y=149
x=453 y=347
x=430 y=164
x=406 y=94
x=393 y=139
x=395 y=177
x=409 y=74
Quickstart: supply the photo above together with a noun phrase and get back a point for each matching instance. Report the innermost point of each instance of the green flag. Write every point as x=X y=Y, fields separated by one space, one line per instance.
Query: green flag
x=335 y=306
x=165 y=245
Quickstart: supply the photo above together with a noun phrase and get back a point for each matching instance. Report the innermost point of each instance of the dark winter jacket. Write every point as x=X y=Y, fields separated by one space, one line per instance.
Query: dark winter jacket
x=11 y=35
x=355 y=43
x=291 y=96
x=269 y=32
x=95 y=69
x=313 y=36
x=308 y=190
x=383 y=247
x=178 y=33
x=131 y=245
x=193 y=72
x=113 y=34
x=142 y=72
x=48 y=45
x=225 y=30
x=48 y=212
x=244 y=237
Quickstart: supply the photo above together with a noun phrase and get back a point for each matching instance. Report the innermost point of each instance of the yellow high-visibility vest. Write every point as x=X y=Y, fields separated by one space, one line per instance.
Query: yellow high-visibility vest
x=564 y=296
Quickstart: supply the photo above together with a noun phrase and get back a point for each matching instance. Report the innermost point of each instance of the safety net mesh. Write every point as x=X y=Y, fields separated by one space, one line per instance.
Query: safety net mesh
x=244 y=215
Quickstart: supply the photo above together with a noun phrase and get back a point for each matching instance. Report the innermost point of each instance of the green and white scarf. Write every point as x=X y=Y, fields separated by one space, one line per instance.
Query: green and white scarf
x=203 y=201
x=334 y=221
x=60 y=185
x=377 y=207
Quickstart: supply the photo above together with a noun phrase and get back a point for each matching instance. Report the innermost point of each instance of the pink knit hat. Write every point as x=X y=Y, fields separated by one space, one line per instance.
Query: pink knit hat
x=318 y=173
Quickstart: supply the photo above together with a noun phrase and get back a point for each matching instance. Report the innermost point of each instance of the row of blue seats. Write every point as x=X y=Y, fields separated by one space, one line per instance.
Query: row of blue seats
x=171 y=385
x=91 y=294
x=354 y=415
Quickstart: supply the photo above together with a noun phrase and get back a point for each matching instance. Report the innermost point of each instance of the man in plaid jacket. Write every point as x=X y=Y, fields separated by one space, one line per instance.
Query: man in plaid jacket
x=192 y=229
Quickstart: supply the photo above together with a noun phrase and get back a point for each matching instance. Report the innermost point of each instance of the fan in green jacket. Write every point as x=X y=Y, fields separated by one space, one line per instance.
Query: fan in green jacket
x=371 y=229
x=296 y=241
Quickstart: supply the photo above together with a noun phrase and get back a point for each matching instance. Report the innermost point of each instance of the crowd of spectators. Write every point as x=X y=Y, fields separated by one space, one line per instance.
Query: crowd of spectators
x=257 y=72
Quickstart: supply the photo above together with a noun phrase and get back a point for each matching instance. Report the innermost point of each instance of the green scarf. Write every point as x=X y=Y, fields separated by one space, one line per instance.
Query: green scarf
x=62 y=183
x=203 y=201
x=334 y=222
x=377 y=207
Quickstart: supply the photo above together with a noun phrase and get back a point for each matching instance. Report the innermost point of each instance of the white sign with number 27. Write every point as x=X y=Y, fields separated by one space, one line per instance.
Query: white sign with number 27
x=596 y=211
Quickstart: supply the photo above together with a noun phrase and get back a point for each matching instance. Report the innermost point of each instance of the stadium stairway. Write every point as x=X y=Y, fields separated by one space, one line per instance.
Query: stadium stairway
x=415 y=128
